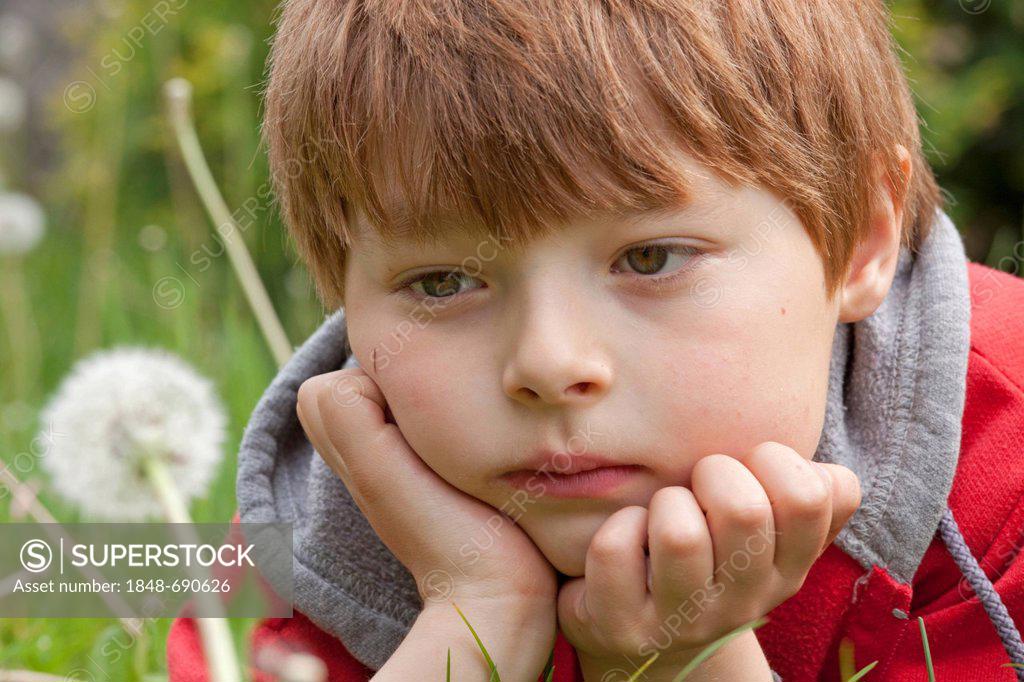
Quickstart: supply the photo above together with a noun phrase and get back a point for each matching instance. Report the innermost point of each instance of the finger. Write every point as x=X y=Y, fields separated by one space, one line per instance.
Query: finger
x=574 y=620
x=682 y=556
x=331 y=392
x=801 y=502
x=345 y=412
x=846 y=498
x=309 y=417
x=741 y=523
x=348 y=408
x=616 y=570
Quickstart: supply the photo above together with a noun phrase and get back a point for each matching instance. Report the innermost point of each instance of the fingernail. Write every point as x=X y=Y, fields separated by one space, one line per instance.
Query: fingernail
x=825 y=476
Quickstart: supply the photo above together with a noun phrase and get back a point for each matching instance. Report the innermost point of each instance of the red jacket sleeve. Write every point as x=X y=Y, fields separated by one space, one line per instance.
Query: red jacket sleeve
x=270 y=638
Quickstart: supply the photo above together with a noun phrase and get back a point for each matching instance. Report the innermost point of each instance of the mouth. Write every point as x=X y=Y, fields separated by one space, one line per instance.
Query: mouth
x=567 y=463
x=564 y=474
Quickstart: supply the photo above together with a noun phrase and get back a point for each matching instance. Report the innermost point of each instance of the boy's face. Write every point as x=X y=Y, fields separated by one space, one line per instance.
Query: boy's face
x=715 y=340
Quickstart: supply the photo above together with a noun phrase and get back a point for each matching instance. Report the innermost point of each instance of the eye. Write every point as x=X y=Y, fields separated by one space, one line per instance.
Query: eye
x=652 y=258
x=438 y=283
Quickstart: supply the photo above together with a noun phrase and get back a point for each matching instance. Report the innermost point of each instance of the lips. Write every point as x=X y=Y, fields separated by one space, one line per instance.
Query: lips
x=566 y=463
x=589 y=483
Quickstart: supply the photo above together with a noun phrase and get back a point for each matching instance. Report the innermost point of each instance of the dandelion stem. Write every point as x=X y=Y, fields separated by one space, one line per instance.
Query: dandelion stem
x=21 y=328
x=29 y=676
x=178 y=92
x=217 y=642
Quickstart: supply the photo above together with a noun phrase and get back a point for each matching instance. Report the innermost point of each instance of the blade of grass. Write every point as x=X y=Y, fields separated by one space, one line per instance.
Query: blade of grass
x=494 y=670
x=847 y=663
x=863 y=671
x=927 y=650
x=549 y=667
x=636 y=675
x=717 y=644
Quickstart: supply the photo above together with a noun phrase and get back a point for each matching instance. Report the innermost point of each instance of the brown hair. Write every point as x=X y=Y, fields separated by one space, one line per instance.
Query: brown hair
x=518 y=114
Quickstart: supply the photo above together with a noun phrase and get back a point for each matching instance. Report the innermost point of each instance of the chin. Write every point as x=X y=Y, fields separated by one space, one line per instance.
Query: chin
x=568 y=556
x=564 y=539
x=570 y=566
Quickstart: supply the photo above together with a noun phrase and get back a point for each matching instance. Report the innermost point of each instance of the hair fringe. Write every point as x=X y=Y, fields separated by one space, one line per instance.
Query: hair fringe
x=513 y=116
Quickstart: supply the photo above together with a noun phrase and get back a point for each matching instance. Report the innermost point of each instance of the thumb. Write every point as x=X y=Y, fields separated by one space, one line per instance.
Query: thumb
x=846 y=497
x=573 y=617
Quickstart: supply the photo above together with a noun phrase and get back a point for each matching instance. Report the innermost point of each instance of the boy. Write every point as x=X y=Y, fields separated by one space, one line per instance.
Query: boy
x=644 y=305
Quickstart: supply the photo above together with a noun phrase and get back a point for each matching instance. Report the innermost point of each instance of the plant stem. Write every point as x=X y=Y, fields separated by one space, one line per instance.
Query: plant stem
x=217 y=642
x=178 y=92
x=21 y=328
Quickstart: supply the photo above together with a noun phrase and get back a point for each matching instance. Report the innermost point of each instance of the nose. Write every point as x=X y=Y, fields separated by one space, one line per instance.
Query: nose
x=555 y=359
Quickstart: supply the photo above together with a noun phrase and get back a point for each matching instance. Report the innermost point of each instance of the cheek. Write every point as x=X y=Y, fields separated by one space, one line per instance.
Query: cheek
x=746 y=374
x=432 y=405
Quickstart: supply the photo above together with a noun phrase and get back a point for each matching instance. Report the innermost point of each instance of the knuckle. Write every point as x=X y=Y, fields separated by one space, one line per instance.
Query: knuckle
x=606 y=547
x=852 y=483
x=326 y=394
x=669 y=495
x=712 y=461
x=746 y=515
x=773 y=447
x=708 y=468
x=681 y=539
x=306 y=395
x=810 y=500
x=788 y=585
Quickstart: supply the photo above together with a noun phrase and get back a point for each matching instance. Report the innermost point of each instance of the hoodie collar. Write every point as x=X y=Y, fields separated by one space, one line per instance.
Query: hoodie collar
x=897 y=385
x=896 y=393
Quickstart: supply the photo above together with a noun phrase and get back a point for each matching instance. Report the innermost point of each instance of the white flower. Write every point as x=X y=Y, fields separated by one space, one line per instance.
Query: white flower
x=116 y=407
x=12 y=105
x=21 y=223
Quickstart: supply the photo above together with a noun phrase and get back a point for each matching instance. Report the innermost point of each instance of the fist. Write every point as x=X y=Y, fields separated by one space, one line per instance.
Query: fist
x=701 y=561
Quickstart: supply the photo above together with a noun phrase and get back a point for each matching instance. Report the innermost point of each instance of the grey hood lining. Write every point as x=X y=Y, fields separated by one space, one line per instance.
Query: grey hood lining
x=895 y=402
x=897 y=387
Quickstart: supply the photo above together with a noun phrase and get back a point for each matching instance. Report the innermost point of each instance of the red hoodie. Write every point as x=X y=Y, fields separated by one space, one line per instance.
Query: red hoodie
x=839 y=601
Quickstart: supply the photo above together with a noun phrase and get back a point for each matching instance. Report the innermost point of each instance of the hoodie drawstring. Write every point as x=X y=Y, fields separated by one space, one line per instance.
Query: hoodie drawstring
x=982 y=587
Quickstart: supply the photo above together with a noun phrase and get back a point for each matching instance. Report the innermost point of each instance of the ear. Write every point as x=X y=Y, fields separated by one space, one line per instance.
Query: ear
x=873 y=264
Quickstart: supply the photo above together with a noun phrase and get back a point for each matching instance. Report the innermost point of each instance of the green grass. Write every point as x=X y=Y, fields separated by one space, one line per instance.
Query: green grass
x=549 y=669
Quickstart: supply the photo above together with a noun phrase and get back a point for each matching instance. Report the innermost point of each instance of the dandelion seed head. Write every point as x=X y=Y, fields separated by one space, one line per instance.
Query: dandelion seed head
x=114 y=408
x=21 y=223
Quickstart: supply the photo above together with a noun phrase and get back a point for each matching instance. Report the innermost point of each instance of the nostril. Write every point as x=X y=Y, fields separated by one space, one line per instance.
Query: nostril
x=582 y=387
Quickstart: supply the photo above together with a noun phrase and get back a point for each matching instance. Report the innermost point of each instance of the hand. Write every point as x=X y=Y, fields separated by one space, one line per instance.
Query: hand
x=428 y=524
x=721 y=555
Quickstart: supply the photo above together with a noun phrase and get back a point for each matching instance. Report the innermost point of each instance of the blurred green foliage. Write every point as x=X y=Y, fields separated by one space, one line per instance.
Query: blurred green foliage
x=123 y=216
x=965 y=61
